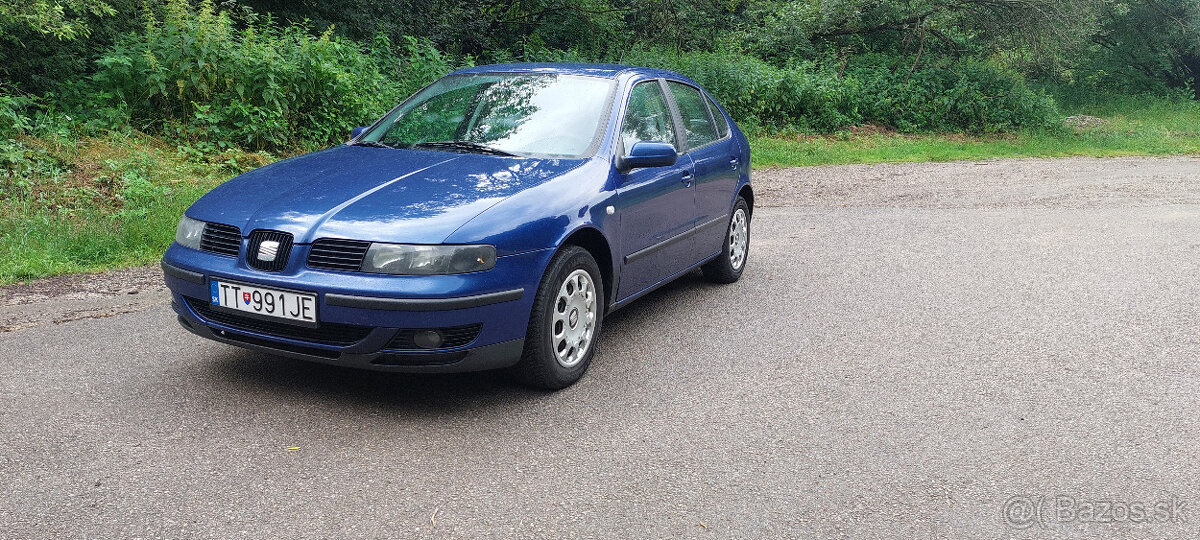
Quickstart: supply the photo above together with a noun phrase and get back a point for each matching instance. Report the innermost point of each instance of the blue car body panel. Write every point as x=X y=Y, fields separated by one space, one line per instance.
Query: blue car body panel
x=655 y=224
x=409 y=196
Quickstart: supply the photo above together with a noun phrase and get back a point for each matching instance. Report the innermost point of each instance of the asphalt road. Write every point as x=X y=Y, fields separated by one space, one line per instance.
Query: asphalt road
x=915 y=351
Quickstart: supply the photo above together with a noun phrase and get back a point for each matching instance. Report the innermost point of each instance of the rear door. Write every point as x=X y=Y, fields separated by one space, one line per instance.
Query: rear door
x=658 y=205
x=716 y=159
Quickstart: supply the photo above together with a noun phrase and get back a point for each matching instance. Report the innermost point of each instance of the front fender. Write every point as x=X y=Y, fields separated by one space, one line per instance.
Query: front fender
x=545 y=215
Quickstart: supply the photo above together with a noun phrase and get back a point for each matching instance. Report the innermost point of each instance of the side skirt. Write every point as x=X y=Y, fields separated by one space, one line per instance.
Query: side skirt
x=618 y=305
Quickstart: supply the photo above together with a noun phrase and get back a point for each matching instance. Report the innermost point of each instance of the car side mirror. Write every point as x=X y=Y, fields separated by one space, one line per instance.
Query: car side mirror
x=645 y=154
x=354 y=133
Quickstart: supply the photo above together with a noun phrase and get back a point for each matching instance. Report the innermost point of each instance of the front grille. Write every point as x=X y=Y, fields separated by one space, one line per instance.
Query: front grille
x=327 y=333
x=275 y=257
x=219 y=238
x=338 y=254
x=452 y=337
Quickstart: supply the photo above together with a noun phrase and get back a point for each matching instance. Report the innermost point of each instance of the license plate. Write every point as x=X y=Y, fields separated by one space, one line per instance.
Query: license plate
x=264 y=302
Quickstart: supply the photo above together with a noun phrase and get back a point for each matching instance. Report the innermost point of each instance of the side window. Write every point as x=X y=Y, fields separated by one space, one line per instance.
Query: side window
x=694 y=112
x=647 y=118
x=722 y=125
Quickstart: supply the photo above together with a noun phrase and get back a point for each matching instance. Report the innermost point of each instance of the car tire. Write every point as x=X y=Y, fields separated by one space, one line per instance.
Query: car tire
x=564 y=323
x=728 y=266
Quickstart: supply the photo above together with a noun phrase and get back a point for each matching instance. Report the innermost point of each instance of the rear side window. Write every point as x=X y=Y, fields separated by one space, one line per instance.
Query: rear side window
x=694 y=112
x=722 y=125
x=647 y=117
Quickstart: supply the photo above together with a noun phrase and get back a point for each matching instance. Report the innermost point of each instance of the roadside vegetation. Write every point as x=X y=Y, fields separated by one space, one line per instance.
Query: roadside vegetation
x=116 y=114
x=1127 y=126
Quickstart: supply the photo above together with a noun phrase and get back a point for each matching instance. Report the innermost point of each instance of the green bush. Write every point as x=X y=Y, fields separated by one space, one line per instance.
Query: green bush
x=211 y=83
x=20 y=164
x=421 y=63
x=14 y=112
x=762 y=96
x=195 y=77
x=966 y=95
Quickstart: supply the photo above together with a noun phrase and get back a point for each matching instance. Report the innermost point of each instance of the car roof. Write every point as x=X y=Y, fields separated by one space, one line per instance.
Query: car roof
x=568 y=68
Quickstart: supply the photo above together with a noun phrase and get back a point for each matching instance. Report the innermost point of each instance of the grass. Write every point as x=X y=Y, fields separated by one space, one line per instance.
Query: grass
x=92 y=204
x=97 y=203
x=1132 y=126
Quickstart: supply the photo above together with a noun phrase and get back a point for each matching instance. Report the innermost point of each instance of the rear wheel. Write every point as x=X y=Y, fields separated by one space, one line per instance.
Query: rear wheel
x=728 y=266
x=564 y=323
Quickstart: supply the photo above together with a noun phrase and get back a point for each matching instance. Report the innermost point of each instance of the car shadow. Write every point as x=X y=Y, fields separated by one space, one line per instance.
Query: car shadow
x=290 y=378
x=262 y=372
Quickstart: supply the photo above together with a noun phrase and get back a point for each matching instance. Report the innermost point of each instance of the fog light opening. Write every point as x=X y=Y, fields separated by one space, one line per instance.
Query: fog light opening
x=428 y=339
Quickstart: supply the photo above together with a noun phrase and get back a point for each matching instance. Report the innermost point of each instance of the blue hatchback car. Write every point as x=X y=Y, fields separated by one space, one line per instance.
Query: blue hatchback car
x=491 y=220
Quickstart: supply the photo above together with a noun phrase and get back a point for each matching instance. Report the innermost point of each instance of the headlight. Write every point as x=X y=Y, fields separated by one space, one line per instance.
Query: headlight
x=189 y=231
x=428 y=260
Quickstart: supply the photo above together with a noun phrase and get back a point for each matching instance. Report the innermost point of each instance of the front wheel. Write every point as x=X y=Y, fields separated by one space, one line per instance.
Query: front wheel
x=728 y=266
x=565 y=322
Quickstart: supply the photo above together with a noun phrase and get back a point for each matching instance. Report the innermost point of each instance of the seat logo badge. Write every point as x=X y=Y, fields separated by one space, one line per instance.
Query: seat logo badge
x=267 y=250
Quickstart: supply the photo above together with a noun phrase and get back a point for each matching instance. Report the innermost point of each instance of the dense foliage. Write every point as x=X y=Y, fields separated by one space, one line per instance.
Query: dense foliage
x=269 y=74
x=194 y=75
x=952 y=95
x=1150 y=45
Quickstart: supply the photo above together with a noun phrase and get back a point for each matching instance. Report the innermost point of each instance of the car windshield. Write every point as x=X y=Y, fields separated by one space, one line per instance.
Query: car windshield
x=500 y=113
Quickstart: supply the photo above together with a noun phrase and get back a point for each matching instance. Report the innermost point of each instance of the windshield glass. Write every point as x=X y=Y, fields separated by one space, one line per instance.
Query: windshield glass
x=539 y=114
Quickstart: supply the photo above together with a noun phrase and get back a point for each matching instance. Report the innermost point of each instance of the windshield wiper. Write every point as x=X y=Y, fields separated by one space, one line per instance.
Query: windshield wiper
x=466 y=146
x=372 y=144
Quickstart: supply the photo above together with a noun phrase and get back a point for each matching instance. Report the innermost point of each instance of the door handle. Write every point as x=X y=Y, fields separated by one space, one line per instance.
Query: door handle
x=686 y=178
x=734 y=162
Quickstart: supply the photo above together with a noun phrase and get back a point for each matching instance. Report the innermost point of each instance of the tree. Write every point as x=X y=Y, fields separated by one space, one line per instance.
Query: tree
x=64 y=19
x=1148 y=43
x=1044 y=29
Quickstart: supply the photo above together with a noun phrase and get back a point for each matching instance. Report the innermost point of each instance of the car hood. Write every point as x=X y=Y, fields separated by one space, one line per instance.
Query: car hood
x=378 y=194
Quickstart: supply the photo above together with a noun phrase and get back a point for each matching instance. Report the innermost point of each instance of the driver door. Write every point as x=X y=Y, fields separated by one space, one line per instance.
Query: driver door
x=658 y=205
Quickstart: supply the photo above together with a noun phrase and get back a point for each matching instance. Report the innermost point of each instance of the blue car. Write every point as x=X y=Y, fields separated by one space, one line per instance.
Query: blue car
x=492 y=220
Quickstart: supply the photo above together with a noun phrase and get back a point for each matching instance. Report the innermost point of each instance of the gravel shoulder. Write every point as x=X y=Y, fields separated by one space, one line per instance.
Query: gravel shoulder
x=80 y=296
x=1030 y=183
x=1011 y=183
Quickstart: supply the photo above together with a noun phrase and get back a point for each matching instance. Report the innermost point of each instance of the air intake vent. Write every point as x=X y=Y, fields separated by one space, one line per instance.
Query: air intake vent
x=223 y=239
x=327 y=333
x=268 y=250
x=338 y=254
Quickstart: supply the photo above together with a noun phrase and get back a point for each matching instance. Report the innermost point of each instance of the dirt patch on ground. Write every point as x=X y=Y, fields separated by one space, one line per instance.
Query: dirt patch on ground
x=1083 y=121
x=872 y=129
x=81 y=296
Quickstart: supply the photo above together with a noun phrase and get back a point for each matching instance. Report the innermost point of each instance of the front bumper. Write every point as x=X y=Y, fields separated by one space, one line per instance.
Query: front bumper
x=364 y=318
